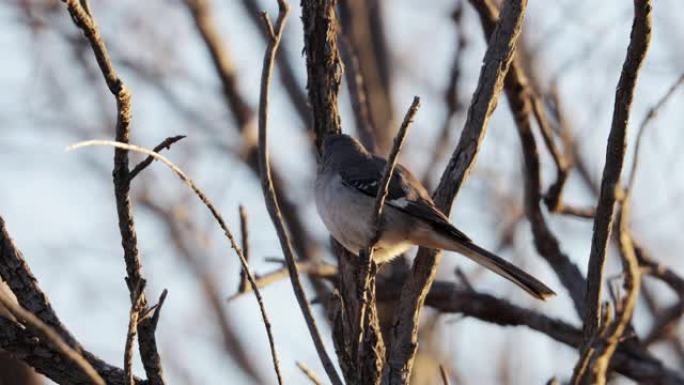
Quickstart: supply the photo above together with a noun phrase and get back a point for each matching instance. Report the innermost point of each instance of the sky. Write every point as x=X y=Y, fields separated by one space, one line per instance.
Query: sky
x=59 y=205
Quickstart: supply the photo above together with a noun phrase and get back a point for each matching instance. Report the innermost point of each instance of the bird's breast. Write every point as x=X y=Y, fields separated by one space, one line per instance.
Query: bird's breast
x=346 y=214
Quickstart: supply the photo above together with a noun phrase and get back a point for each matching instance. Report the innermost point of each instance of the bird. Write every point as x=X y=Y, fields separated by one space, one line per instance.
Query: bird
x=347 y=182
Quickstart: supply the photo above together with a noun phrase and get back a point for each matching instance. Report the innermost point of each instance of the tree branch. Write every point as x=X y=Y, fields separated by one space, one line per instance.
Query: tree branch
x=270 y=195
x=610 y=185
x=496 y=62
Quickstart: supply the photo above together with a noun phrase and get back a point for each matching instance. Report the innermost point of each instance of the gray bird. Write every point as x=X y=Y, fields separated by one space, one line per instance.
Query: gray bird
x=347 y=183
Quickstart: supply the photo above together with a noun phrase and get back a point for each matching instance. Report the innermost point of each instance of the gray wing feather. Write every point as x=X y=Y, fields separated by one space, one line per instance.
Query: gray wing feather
x=405 y=193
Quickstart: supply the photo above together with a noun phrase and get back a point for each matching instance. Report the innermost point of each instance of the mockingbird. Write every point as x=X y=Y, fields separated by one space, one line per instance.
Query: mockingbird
x=346 y=186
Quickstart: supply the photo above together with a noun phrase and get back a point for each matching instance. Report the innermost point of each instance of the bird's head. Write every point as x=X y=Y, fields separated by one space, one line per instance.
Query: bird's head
x=337 y=148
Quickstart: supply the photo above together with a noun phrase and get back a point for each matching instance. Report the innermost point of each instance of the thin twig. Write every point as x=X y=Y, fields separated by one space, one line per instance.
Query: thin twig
x=166 y=144
x=366 y=271
x=288 y=75
x=452 y=96
x=175 y=224
x=50 y=335
x=445 y=376
x=310 y=374
x=215 y=213
x=270 y=195
x=134 y=315
x=358 y=94
x=315 y=269
x=652 y=113
x=147 y=326
x=244 y=238
x=379 y=203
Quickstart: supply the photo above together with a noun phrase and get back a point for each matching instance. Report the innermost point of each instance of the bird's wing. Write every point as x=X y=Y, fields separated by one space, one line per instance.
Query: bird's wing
x=404 y=193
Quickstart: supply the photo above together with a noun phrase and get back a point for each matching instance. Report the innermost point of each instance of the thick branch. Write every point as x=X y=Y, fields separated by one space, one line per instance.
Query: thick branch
x=323 y=65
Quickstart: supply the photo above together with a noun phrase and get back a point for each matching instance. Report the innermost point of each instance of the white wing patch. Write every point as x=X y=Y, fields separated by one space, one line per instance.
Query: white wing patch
x=401 y=202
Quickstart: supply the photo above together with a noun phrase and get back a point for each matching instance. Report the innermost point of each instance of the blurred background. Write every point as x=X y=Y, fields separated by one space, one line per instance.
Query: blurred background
x=194 y=69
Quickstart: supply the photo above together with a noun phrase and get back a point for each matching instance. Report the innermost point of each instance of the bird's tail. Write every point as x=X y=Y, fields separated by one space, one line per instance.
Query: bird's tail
x=491 y=261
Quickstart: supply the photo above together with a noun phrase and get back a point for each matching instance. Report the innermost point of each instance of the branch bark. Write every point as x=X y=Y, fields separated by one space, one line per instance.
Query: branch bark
x=403 y=345
x=610 y=185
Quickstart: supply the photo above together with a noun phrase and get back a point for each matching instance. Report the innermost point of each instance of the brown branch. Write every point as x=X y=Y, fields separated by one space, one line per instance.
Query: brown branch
x=632 y=283
x=520 y=102
x=166 y=144
x=448 y=297
x=270 y=195
x=323 y=66
x=445 y=376
x=16 y=273
x=452 y=95
x=358 y=94
x=309 y=373
x=219 y=220
x=610 y=185
x=231 y=343
x=244 y=117
x=366 y=319
x=84 y=20
x=206 y=26
x=147 y=327
x=134 y=314
x=315 y=269
x=51 y=336
x=656 y=269
x=286 y=70
x=244 y=233
x=362 y=27
x=496 y=62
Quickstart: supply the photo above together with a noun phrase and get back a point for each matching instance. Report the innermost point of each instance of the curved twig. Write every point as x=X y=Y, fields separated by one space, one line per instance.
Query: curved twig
x=219 y=219
x=270 y=195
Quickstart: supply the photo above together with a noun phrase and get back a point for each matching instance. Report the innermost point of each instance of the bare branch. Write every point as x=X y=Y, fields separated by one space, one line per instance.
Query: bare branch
x=215 y=213
x=652 y=113
x=445 y=376
x=323 y=65
x=316 y=269
x=610 y=186
x=496 y=62
x=147 y=328
x=166 y=144
x=366 y=271
x=519 y=96
x=309 y=373
x=271 y=199
x=50 y=335
x=244 y=232
x=16 y=273
x=134 y=314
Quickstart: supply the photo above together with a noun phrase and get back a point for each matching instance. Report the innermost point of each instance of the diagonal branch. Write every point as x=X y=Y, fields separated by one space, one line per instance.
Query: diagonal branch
x=46 y=332
x=496 y=62
x=610 y=187
x=521 y=100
